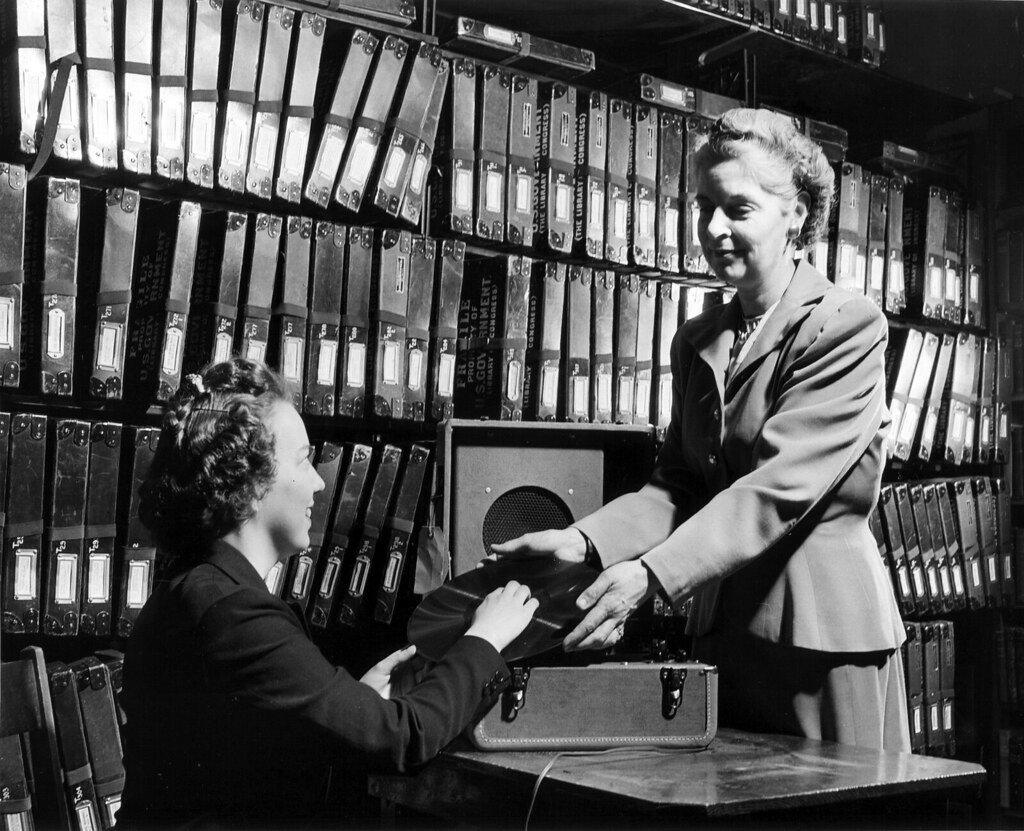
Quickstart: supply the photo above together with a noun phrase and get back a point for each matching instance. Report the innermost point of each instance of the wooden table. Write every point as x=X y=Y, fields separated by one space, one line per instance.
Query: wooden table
x=741 y=779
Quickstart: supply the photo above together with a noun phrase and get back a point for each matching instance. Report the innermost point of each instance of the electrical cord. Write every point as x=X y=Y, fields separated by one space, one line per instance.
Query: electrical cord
x=582 y=753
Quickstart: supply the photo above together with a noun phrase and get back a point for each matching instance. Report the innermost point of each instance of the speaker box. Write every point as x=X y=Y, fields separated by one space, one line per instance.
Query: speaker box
x=502 y=479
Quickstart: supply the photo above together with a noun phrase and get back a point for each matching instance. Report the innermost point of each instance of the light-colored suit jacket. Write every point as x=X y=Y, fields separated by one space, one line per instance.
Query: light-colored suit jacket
x=762 y=491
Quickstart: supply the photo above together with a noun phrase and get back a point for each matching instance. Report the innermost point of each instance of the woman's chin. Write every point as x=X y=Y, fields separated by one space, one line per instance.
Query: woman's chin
x=296 y=547
x=732 y=276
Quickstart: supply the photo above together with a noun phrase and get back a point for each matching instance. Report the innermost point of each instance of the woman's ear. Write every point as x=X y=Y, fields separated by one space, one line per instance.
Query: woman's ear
x=801 y=208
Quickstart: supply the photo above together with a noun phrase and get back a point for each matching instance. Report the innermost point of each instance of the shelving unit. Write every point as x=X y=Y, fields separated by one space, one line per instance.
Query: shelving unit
x=699 y=46
x=668 y=39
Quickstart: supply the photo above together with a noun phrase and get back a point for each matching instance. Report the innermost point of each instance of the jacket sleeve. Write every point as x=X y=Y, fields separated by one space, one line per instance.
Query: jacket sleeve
x=636 y=522
x=256 y=653
x=829 y=408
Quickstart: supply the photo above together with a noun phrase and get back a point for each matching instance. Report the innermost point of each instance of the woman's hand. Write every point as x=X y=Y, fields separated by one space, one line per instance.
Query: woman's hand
x=503 y=614
x=613 y=596
x=567 y=544
x=379 y=676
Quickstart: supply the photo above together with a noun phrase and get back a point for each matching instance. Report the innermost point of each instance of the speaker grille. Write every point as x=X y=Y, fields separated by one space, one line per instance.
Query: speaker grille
x=522 y=510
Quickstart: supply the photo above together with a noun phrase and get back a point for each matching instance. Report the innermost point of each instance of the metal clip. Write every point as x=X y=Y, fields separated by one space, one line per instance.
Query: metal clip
x=95 y=676
x=514 y=698
x=59 y=681
x=672 y=680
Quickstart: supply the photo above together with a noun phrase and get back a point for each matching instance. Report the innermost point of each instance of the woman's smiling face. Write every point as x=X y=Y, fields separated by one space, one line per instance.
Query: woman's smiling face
x=744 y=229
x=286 y=508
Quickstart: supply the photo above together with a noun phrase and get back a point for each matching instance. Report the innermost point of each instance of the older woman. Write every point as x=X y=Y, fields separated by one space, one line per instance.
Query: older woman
x=758 y=507
x=234 y=717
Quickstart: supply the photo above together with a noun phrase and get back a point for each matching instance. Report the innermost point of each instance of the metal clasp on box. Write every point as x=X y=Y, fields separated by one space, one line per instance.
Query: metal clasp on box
x=672 y=680
x=514 y=698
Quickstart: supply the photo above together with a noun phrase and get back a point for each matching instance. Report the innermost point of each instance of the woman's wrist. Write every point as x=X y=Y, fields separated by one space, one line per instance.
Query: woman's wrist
x=653 y=583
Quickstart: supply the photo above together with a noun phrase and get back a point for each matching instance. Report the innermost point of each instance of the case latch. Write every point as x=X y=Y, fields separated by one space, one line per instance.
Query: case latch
x=514 y=698
x=672 y=680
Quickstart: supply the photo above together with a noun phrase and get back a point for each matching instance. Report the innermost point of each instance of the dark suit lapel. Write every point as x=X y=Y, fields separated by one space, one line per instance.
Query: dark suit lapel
x=230 y=561
x=806 y=288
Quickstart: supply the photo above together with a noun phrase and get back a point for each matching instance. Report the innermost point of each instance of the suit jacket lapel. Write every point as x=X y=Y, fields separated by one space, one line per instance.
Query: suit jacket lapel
x=231 y=561
x=805 y=289
x=712 y=336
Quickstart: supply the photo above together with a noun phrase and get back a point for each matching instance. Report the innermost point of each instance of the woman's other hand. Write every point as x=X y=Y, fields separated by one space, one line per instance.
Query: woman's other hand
x=613 y=597
x=378 y=677
x=566 y=544
x=503 y=614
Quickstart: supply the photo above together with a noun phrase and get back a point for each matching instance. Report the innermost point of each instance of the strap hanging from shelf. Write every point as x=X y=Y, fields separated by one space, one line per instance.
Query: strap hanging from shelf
x=733 y=44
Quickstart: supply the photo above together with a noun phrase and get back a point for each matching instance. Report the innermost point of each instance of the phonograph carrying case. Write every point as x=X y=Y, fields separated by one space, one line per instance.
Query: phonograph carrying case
x=601 y=706
x=591 y=707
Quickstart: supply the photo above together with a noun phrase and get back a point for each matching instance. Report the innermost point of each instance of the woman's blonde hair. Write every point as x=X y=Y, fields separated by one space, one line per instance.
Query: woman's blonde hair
x=800 y=165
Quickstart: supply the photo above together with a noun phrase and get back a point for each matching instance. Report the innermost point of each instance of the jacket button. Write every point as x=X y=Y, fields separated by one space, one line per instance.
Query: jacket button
x=716 y=414
x=712 y=459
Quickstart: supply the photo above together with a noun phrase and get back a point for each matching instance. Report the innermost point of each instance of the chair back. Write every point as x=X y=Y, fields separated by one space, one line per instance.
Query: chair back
x=27 y=729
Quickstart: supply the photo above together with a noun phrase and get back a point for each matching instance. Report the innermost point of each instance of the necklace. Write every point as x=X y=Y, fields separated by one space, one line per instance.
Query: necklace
x=747 y=327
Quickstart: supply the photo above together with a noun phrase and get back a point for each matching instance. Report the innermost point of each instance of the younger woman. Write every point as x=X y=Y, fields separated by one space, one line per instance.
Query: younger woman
x=234 y=717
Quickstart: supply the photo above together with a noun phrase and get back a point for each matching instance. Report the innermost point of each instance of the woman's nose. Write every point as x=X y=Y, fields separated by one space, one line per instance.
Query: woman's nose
x=320 y=484
x=717 y=224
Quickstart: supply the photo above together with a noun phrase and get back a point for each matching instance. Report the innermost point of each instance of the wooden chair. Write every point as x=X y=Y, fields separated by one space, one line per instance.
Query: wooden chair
x=25 y=709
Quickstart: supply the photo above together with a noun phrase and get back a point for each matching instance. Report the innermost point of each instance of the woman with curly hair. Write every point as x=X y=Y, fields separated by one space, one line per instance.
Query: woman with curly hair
x=758 y=506
x=234 y=717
